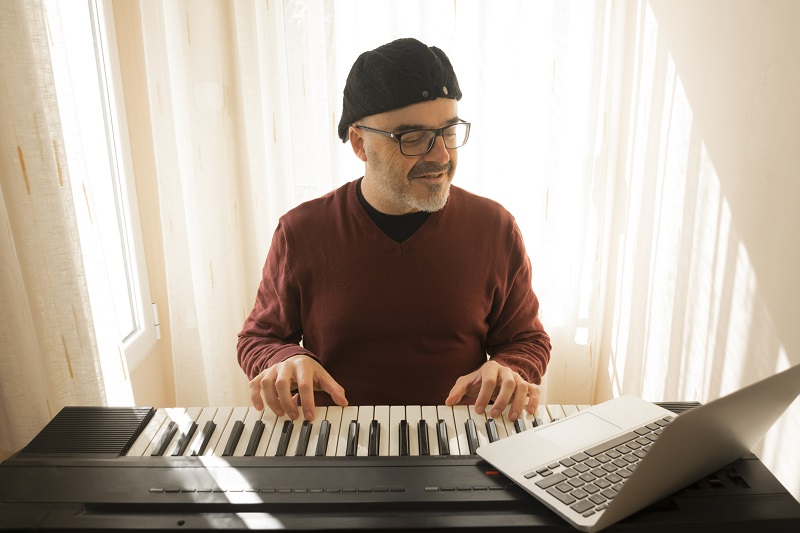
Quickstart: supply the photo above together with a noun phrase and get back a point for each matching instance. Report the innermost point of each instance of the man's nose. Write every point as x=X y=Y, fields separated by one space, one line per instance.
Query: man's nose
x=439 y=152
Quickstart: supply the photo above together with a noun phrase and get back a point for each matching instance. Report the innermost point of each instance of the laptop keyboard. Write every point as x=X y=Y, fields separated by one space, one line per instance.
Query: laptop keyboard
x=586 y=482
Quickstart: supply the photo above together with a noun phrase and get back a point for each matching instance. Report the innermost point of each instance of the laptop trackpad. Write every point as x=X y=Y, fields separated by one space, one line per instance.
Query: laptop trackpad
x=578 y=431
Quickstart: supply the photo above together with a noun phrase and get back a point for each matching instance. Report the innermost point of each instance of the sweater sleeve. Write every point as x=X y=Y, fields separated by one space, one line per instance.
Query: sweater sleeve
x=516 y=336
x=273 y=331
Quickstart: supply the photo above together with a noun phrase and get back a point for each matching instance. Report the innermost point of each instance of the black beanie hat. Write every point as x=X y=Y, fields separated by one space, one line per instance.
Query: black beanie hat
x=396 y=75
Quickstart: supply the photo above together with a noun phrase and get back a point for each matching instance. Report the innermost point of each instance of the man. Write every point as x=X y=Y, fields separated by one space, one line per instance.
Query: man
x=398 y=284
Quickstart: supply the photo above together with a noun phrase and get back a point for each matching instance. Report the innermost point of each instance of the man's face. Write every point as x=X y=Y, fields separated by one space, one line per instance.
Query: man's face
x=398 y=184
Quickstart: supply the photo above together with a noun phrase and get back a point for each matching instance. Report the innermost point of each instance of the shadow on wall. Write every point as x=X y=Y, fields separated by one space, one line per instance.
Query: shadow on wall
x=703 y=257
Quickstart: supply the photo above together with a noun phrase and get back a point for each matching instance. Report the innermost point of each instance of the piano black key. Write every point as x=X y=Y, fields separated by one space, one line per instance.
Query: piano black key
x=322 y=440
x=166 y=438
x=537 y=422
x=255 y=438
x=208 y=430
x=441 y=433
x=352 y=439
x=286 y=434
x=519 y=425
x=185 y=439
x=233 y=440
x=422 y=436
x=405 y=445
x=374 y=439
x=302 y=442
x=491 y=430
x=472 y=436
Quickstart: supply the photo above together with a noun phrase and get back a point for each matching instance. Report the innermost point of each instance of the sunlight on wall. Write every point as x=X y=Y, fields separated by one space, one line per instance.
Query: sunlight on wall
x=690 y=318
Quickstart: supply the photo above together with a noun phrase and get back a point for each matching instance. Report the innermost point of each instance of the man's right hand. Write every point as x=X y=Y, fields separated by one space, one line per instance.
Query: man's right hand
x=277 y=385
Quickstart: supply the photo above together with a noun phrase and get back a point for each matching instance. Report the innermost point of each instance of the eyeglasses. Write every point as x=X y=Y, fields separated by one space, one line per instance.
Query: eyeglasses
x=420 y=142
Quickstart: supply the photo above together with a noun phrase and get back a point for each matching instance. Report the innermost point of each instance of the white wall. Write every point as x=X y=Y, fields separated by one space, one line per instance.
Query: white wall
x=703 y=254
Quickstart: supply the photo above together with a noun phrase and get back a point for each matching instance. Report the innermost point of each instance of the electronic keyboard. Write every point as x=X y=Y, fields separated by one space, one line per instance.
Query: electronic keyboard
x=356 y=467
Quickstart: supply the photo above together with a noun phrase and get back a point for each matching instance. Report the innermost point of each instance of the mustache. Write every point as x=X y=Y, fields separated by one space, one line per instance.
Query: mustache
x=426 y=167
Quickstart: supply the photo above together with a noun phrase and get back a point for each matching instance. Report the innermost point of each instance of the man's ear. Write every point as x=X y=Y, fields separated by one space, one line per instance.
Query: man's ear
x=357 y=143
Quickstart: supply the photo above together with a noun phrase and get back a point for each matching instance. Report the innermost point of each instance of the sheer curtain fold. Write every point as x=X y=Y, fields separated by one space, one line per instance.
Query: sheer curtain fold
x=49 y=356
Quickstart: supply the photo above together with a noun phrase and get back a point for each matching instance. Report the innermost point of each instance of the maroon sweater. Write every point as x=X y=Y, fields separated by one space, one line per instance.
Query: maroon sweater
x=396 y=323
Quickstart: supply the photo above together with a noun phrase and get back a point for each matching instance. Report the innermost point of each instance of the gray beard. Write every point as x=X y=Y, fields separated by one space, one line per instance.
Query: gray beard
x=433 y=202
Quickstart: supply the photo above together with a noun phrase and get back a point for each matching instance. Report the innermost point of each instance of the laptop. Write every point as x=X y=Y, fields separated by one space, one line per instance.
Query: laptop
x=604 y=463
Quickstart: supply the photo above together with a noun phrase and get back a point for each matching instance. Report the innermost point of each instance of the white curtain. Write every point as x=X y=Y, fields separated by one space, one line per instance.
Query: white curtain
x=53 y=349
x=245 y=97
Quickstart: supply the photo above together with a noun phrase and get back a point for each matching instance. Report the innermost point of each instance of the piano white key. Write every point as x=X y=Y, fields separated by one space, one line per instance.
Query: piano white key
x=507 y=423
x=543 y=415
x=237 y=414
x=445 y=413
x=221 y=418
x=556 y=412
x=383 y=417
x=206 y=415
x=583 y=407
x=502 y=428
x=460 y=417
x=366 y=414
x=525 y=419
x=270 y=421
x=173 y=415
x=334 y=417
x=316 y=423
x=396 y=414
x=431 y=416
x=142 y=443
x=349 y=414
x=188 y=417
x=295 y=438
x=480 y=425
x=413 y=416
x=250 y=419
x=569 y=410
x=277 y=433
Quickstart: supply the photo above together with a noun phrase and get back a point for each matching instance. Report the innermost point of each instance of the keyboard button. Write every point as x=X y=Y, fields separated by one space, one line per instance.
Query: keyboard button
x=567 y=462
x=566 y=499
x=597 y=499
x=564 y=487
x=551 y=481
x=579 y=494
x=582 y=506
x=569 y=472
x=579 y=457
x=613 y=443
x=602 y=483
x=613 y=478
x=576 y=482
x=581 y=468
x=591 y=488
x=609 y=493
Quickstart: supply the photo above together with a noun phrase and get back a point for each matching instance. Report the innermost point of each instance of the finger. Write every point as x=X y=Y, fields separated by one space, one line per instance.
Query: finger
x=271 y=395
x=458 y=390
x=533 y=398
x=283 y=388
x=305 y=390
x=518 y=399
x=332 y=387
x=507 y=384
x=488 y=376
x=255 y=392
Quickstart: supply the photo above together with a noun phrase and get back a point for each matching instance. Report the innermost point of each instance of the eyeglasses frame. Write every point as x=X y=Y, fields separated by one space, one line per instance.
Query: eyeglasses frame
x=437 y=132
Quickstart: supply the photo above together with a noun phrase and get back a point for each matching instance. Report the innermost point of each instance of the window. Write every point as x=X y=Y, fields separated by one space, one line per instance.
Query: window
x=91 y=106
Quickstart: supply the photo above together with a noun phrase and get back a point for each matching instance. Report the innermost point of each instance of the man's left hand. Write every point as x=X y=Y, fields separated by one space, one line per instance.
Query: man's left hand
x=493 y=380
